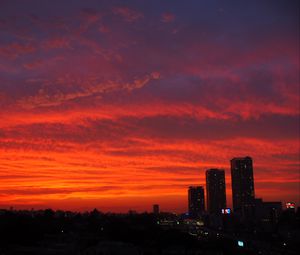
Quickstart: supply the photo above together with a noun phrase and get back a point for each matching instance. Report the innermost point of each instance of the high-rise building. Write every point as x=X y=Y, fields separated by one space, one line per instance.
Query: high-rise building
x=242 y=185
x=196 y=200
x=215 y=190
x=156 y=209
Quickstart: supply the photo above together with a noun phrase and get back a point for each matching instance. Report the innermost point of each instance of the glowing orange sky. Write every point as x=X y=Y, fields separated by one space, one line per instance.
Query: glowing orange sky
x=120 y=106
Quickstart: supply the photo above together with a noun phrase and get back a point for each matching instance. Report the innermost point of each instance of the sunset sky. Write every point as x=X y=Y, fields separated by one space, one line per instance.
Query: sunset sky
x=122 y=104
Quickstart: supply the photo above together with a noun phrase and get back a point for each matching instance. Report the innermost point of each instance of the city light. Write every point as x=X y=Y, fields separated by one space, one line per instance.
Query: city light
x=226 y=211
x=240 y=243
x=290 y=205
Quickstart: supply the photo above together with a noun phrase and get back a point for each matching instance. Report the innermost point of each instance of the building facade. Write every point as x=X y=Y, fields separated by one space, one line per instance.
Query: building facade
x=196 y=201
x=242 y=185
x=215 y=190
x=156 y=209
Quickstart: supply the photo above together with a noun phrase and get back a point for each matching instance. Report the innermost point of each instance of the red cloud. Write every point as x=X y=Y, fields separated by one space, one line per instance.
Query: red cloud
x=90 y=87
x=15 y=50
x=57 y=43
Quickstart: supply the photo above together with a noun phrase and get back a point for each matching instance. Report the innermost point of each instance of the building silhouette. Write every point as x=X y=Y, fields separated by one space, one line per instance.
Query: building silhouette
x=242 y=185
x=215 y=190
x=156 y=209
x=267 y=212
x=196 y=201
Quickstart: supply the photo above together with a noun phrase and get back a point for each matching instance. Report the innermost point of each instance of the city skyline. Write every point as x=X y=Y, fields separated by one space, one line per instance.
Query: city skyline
x=120 y=105
x=198 y=201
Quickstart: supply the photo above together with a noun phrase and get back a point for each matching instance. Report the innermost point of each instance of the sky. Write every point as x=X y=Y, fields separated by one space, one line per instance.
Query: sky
x=119 y=105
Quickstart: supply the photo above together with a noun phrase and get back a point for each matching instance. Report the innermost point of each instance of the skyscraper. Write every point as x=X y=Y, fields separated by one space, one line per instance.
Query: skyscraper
x=242 y=185
x=196 y=200
x=215 y=190
x=156 y=209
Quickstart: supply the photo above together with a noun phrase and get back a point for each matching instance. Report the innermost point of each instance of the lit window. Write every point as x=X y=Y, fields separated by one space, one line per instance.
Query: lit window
x=240 y=243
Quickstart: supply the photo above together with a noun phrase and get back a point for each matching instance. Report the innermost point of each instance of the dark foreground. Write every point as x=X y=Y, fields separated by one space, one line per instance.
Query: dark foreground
x=94 y=233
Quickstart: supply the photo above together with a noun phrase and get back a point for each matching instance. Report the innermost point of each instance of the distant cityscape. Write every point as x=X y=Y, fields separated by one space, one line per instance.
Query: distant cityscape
x=251 y=227
x=245 y=204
